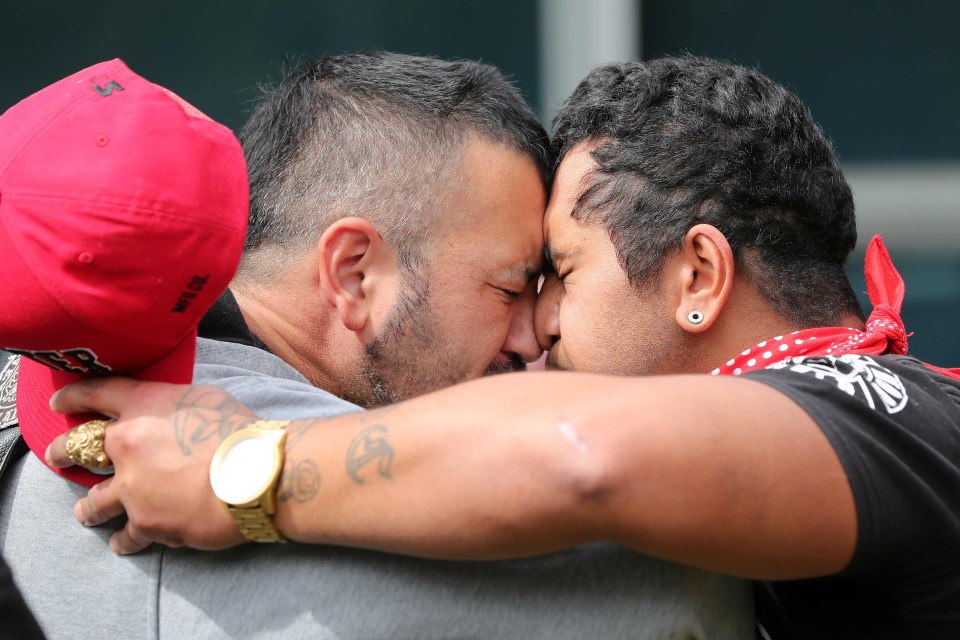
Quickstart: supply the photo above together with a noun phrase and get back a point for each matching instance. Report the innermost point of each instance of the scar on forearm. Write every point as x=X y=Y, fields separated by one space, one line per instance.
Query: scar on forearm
x=300 y=480
x=370 y=446
x=570 y=433
x=207 y=412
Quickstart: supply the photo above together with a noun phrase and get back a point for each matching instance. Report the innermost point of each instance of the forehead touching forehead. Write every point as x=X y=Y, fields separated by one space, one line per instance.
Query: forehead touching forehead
x=573 y=179
x=494 y=212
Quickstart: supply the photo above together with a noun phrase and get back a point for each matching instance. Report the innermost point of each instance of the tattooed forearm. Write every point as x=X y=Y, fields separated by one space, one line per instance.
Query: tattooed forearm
x=210 y=413
x=370 y=445
x=297 y=430
x=300 y=480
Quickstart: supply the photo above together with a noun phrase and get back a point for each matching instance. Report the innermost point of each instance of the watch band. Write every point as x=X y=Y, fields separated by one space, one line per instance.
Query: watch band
x=255 y=524
x=254 y=521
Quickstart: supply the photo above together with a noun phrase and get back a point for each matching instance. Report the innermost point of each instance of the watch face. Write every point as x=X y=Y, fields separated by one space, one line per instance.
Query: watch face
x=243 y=467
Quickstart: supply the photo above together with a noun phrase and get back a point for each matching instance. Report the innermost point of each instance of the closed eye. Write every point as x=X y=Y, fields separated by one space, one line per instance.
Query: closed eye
x=550 y=274
x=513 y=295
x=550 y=269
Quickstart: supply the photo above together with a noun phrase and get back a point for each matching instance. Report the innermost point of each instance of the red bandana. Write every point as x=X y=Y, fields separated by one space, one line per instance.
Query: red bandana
x=884 y=333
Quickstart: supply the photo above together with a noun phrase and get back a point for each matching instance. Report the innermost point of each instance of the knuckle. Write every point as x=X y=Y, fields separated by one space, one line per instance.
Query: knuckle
x=88 y=390
x=137 y=534
x=90 y=510
x=118 y=441
x=144 y=533
x=150 y=528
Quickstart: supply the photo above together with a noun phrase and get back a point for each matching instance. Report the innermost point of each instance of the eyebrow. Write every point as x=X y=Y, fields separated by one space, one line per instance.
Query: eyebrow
x=524 y=273
x=551 y=255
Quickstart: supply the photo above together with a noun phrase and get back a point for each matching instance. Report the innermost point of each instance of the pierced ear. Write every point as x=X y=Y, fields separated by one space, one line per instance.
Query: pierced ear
x=706 y=277
x=348 y=252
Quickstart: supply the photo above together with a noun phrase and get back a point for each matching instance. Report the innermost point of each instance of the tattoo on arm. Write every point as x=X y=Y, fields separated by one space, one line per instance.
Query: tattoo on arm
x=300 y=480
x=298 y=429
x=207 y=412
x=369 y=446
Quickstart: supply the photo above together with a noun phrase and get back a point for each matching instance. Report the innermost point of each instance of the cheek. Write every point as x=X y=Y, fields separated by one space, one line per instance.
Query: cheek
x=591 y=330
x=580 y=319
x=477 y=325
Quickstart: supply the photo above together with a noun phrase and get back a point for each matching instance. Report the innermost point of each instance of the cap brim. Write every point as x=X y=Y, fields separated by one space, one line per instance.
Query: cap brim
x=36 y=383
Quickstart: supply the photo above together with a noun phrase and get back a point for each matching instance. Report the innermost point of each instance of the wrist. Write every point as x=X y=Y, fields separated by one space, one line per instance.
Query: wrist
x=244 y=474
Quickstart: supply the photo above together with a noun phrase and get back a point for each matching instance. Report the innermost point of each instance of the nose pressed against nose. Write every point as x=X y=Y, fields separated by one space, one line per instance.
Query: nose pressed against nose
x=547 y=313
x=522 y=337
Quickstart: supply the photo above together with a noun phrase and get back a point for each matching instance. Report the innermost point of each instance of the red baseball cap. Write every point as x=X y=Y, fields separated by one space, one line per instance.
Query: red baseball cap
x=123 y=211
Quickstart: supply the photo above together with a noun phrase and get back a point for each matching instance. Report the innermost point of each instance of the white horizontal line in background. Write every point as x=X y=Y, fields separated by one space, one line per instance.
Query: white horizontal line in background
x=914 y=205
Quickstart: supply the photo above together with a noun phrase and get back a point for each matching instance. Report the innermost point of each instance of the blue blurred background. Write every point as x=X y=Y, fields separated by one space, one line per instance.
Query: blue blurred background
x=880 y=76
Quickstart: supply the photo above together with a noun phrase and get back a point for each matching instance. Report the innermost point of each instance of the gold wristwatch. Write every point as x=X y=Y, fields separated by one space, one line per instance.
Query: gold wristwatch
x=244 y=473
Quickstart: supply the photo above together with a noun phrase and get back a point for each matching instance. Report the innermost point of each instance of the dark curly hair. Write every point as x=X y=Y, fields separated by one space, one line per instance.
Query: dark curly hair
x=688 y=140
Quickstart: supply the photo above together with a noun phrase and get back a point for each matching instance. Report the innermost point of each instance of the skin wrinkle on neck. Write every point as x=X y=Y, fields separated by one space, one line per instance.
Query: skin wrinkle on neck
x=285 y=339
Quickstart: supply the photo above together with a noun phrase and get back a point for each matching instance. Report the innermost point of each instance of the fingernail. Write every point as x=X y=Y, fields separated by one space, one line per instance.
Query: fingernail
x=53 y=398
x=46 y=455
x=78 y=513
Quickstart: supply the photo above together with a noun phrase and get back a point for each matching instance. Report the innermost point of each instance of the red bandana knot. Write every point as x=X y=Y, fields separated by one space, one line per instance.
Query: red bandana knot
x=886 y=323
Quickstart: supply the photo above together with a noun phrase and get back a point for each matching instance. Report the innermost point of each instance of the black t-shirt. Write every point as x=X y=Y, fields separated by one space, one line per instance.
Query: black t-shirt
x=895 y=426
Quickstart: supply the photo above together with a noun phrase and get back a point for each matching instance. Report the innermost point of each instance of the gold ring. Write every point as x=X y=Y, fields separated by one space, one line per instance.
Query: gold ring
x=85 y=446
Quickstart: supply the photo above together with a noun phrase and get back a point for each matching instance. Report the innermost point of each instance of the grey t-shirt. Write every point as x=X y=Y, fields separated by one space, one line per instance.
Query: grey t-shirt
x=79 y=589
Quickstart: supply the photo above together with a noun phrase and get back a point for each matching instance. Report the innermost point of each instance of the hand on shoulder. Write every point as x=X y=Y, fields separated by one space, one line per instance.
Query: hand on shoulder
x=161 y=440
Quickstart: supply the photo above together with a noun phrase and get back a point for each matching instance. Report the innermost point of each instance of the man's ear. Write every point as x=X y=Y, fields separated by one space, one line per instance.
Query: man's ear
x=706 y=270
x=351 y=257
